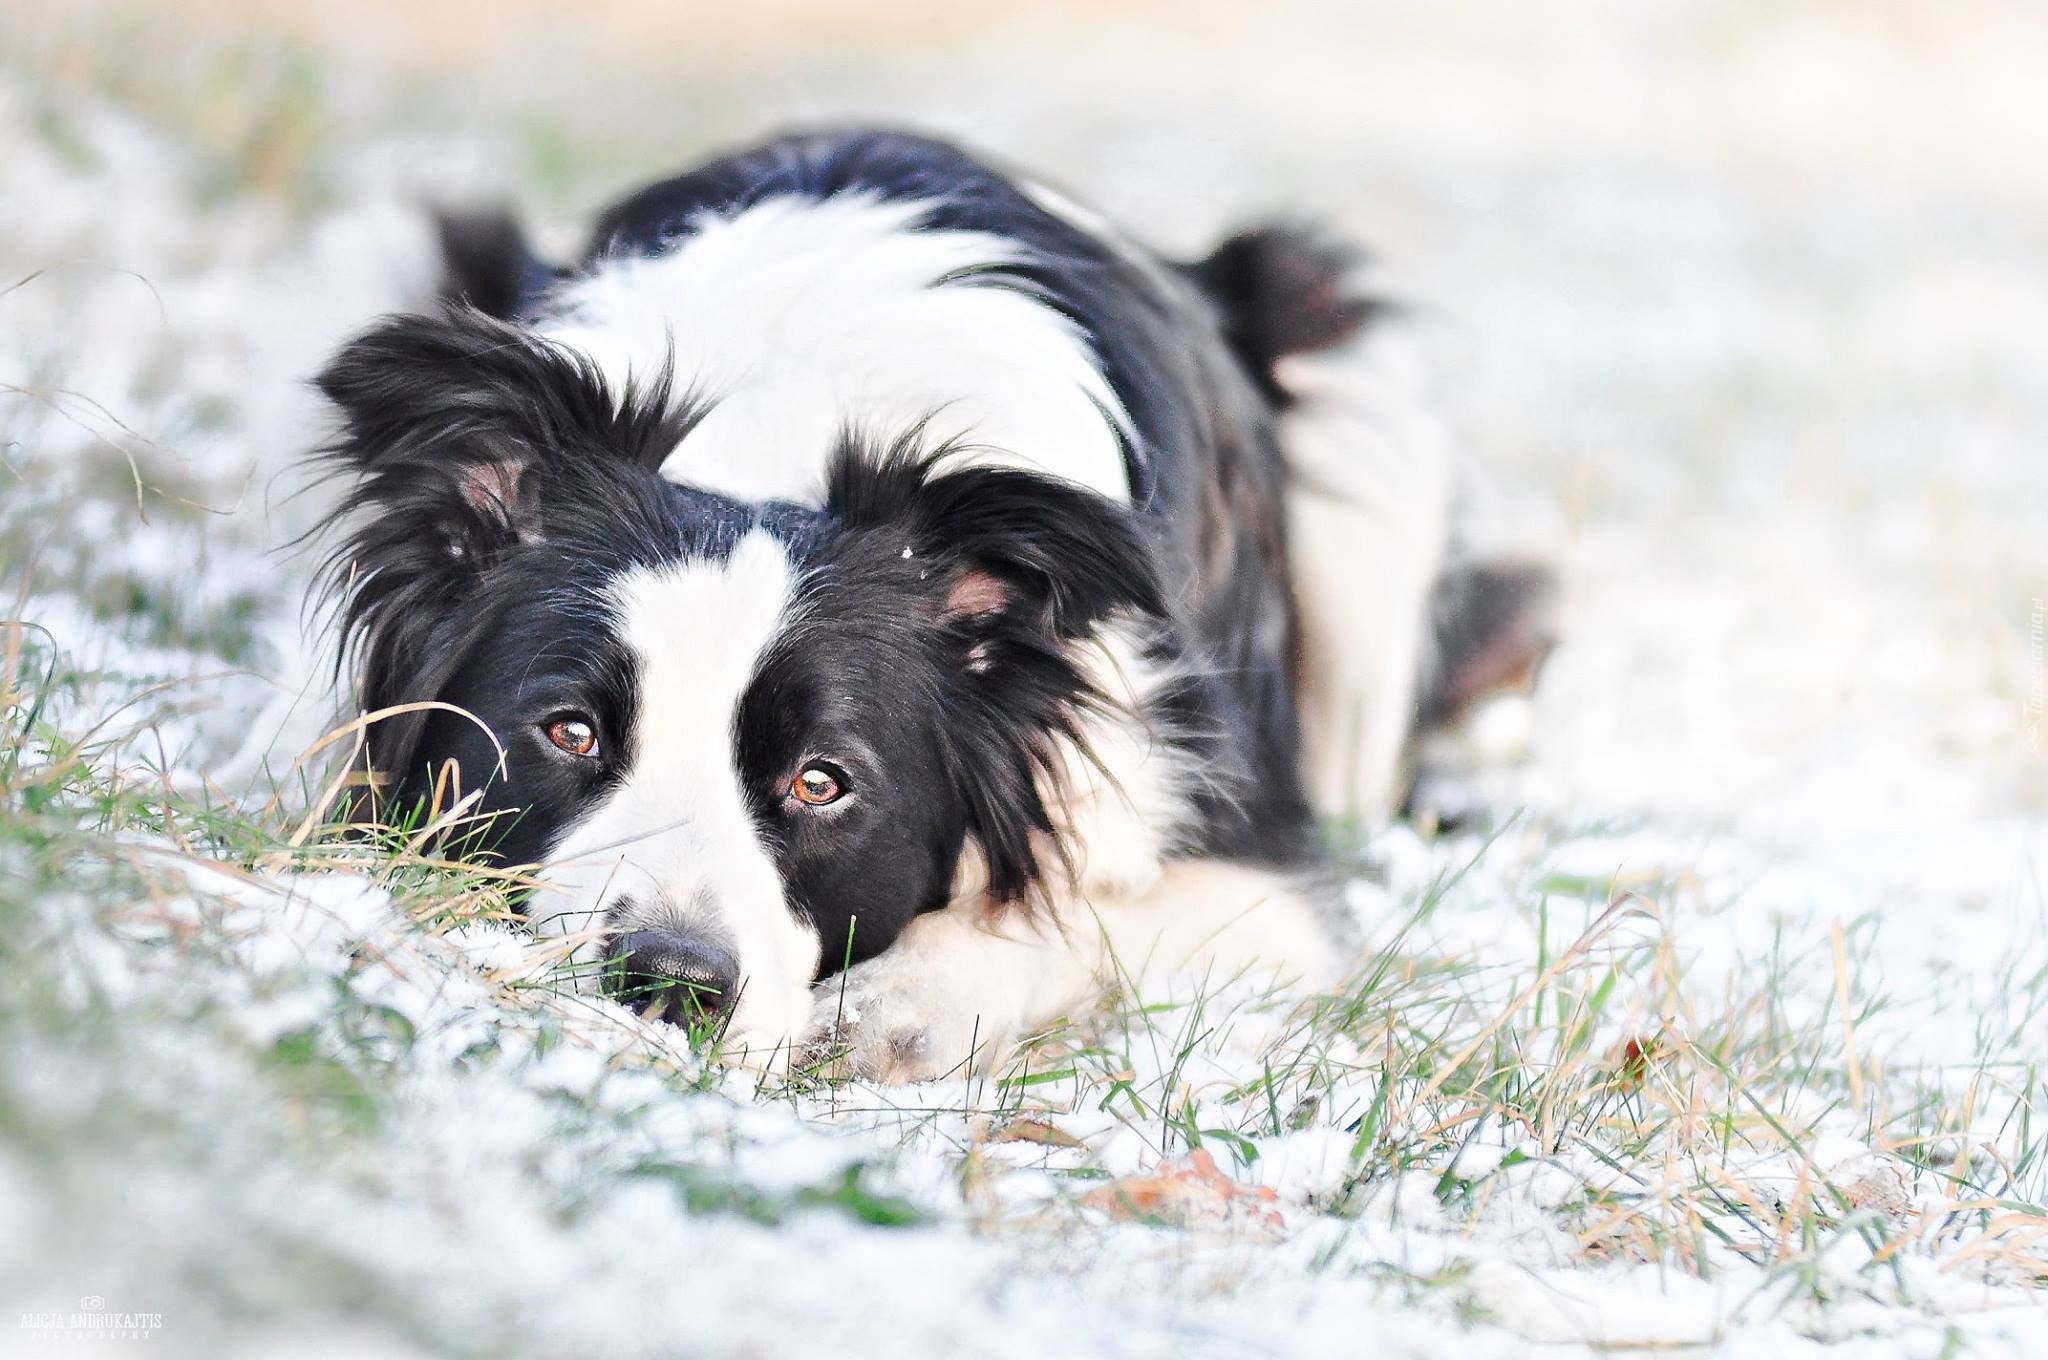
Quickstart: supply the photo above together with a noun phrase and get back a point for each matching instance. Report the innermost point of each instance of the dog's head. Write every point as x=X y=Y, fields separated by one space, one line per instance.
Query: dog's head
x=744 y=743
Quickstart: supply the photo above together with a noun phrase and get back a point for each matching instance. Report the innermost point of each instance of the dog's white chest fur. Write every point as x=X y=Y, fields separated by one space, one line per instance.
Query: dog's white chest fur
x=798 y=320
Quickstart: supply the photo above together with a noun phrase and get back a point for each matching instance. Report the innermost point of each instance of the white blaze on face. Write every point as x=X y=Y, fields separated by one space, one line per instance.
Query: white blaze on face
x=674 y=846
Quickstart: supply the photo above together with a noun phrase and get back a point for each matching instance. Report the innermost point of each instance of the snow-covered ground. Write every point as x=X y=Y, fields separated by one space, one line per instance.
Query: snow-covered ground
x=1728 y=1041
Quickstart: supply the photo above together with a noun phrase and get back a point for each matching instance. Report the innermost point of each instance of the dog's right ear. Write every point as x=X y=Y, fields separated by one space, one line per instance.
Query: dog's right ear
x=438 y=436
x=453 y=426
x=443 y=448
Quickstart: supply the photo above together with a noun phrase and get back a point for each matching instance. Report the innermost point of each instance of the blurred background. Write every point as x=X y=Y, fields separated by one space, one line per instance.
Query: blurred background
x=1738 y=306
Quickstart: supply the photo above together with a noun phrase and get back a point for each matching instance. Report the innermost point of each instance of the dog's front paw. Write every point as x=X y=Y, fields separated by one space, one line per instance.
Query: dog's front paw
x=889 y=1020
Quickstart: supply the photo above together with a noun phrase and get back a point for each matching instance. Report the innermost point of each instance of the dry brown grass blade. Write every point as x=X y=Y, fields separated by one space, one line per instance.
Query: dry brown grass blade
x=1620 y=908
x=355 y=727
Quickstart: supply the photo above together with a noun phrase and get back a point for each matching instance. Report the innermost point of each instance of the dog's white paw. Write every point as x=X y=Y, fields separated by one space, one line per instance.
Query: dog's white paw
x=891 y=1019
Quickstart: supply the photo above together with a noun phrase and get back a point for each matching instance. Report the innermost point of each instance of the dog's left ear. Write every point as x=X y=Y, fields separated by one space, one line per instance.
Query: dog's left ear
x=1002 y=544
x=1020 y=570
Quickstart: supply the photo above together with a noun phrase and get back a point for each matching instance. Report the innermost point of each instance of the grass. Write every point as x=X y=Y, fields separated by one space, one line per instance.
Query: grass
x=1683 y=1130
x=175 y=987
x=183 y=1003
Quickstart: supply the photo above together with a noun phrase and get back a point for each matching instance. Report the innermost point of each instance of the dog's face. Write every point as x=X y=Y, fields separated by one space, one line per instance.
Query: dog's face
x=744 y=744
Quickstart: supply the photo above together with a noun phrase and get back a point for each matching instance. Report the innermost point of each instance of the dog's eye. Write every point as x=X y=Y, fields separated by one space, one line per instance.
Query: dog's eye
x=574 y=734
x=817 y=785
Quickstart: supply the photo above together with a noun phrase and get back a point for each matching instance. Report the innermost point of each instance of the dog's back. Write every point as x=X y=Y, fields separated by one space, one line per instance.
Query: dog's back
x=1303 y=493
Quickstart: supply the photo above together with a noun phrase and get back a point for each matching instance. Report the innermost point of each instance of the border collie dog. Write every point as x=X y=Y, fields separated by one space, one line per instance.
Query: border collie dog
x=862 y=559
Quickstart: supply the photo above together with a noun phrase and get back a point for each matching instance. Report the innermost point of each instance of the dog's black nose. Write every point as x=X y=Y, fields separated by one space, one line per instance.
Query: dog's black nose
x=677 y=978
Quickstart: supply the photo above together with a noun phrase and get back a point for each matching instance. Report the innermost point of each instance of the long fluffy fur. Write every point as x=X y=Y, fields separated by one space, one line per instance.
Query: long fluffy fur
x=461 y=431
x=1042 y=564
x=1047 y=666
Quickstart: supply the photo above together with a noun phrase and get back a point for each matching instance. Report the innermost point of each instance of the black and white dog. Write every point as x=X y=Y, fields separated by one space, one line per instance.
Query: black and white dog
x=862 y=559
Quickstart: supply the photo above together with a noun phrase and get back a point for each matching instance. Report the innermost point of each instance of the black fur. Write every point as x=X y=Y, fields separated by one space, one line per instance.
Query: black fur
x=1495 y=624
x=1282 y=291
x=502 y=487
x=488 y=263
x=949 y=709
x=1205 y=471
x=1057 y=561
x=501 y=484
x=468 y=437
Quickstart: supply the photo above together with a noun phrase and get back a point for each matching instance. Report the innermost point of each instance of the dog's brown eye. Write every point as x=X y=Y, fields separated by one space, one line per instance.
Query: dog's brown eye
x=575 y=735
x=816 y=785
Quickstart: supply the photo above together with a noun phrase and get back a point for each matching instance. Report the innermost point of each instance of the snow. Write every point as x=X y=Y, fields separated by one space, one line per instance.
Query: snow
x=1740 y=307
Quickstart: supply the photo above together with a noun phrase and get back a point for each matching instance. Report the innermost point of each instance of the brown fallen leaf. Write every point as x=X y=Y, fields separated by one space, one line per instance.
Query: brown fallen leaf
x=1034 y=1131
x=1186 y=1193
x=1634 y=1058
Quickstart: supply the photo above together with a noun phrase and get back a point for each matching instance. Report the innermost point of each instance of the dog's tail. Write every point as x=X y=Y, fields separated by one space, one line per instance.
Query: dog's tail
x=1286 y=289
x=488 y=263
x=1401 y=628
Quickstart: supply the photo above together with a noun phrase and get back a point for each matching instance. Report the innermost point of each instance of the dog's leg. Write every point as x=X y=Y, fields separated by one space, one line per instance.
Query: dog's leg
x=960 y=987
x=1368 y=513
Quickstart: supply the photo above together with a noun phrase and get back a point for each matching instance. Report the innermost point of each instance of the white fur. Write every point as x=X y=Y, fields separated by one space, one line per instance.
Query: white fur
x=958 y=989
x=1367 y=522
x=1129 y=800
x=675 y=838
x=801 y=318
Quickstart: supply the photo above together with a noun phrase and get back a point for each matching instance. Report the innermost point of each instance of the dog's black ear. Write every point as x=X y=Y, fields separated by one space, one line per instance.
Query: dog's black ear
x=451 y=424
x=1003 y=544
x=438 y=427
x=1018 y=571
